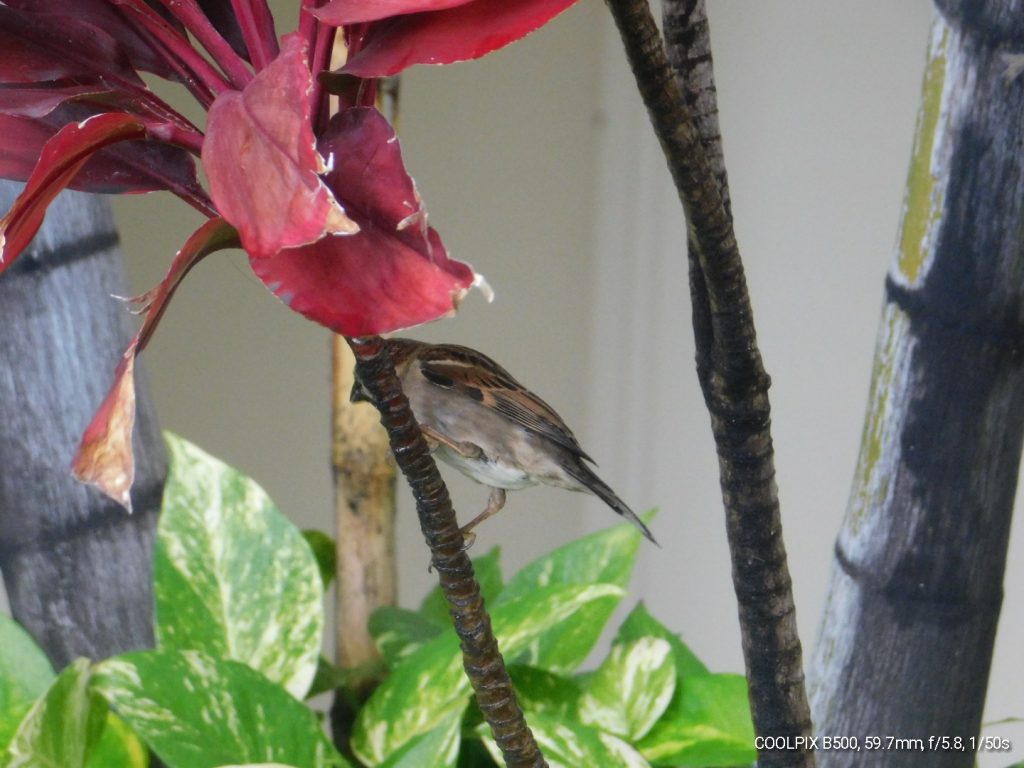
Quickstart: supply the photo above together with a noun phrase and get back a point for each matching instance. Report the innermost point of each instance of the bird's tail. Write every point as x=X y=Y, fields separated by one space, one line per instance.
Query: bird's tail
x=586 y=477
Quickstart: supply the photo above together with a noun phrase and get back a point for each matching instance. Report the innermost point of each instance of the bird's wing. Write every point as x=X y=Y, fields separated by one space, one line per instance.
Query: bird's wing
x=479 y=378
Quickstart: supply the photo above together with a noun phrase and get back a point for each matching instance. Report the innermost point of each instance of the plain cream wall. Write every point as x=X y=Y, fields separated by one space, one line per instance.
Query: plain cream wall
x=818 y=102
x=539 y=169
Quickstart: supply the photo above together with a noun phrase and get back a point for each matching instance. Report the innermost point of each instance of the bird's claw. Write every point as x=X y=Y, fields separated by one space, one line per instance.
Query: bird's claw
x=468 y=539
x=470 y=450
x=434 y=439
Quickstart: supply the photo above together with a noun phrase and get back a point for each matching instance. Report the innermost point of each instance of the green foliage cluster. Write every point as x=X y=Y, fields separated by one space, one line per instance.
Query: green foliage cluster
x=239 y=624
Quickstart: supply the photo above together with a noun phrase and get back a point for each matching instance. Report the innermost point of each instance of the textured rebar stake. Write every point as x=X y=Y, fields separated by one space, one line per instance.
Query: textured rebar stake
x=729 y=366
x=482 y=660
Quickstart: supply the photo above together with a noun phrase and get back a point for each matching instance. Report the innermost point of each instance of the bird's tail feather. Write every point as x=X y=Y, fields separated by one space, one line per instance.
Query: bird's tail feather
x=586 y=477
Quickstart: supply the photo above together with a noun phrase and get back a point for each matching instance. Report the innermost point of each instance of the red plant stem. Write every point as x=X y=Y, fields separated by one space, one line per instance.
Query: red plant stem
x=257 y=27
x=195 y=21
x=321 y=61
x=308 y=24
x=481 y=657
x=201 y=204
x=176 y=46
x=197 y=88
x=186 y=138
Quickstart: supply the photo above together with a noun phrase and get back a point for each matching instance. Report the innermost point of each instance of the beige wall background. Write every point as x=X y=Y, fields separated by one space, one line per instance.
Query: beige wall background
x=539 y=169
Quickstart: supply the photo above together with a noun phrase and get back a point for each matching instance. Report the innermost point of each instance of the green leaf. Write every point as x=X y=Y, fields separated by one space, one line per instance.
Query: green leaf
x=195 y=711
x=570 y=744
x=631 y=689
x=706 y=724
x=325 y=553
x=605 y=557
x=62 y=728
x=438 y=748
x=119 y=747
x=430 y=684
x=488 y=573
x=25 y=674
x=330 y=677
x=640 y=623
x=398 y=632
x=232 y=576
x=545 y=692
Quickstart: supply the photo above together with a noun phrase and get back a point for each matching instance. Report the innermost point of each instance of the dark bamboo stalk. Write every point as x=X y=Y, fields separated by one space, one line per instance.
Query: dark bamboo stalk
x=482 y=660
x=729 y=365
x=917 y=578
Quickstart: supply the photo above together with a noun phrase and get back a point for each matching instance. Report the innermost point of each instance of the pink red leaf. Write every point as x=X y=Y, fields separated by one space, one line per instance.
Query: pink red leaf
x=464 y=32
x=366 y=284
x=395 y=273
x=78 y=20
x=105 y=457
x=339 y=12
x=261 y=159
x=61 y=159
x=33 y=51
x=130 y=166
x=41 y=99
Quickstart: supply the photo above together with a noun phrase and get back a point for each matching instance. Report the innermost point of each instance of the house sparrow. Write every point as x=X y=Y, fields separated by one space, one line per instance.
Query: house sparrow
x=483 y=422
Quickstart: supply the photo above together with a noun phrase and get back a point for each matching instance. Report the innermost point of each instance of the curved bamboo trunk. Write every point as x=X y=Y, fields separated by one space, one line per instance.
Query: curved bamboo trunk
x=76 y=566
x=906 y=640
x=364 y=481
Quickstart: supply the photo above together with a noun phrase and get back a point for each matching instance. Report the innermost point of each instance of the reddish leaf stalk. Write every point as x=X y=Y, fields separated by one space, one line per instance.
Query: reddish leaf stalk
x=186 y=138
x=178 y=47
x=199 y=90
x=730 y=369
x=320 y=53
x=257 y=27
x=195 y=21
x=482 y=660
x=308 y=23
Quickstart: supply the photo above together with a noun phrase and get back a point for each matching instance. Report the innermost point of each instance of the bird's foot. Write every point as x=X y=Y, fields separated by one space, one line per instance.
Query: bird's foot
x=494 y=504
x=463 y=448
x=468 y=539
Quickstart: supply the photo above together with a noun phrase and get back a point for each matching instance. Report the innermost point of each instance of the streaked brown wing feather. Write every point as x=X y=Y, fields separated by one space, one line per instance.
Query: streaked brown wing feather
x=478 y=377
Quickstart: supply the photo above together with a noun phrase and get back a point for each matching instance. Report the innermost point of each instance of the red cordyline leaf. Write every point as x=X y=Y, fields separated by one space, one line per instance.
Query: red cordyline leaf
x=76 y=18
x=339 y=12
x=41 y=99
x=61 y=159
x=104 y=457
x=441 y=37
x=261 y=159
x=80 y=155
x=125 y=167
x=58 y=35
x=395 y=273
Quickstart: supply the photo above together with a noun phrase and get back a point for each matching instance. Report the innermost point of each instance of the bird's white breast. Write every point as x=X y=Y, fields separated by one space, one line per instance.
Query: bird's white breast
x=496 y=474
